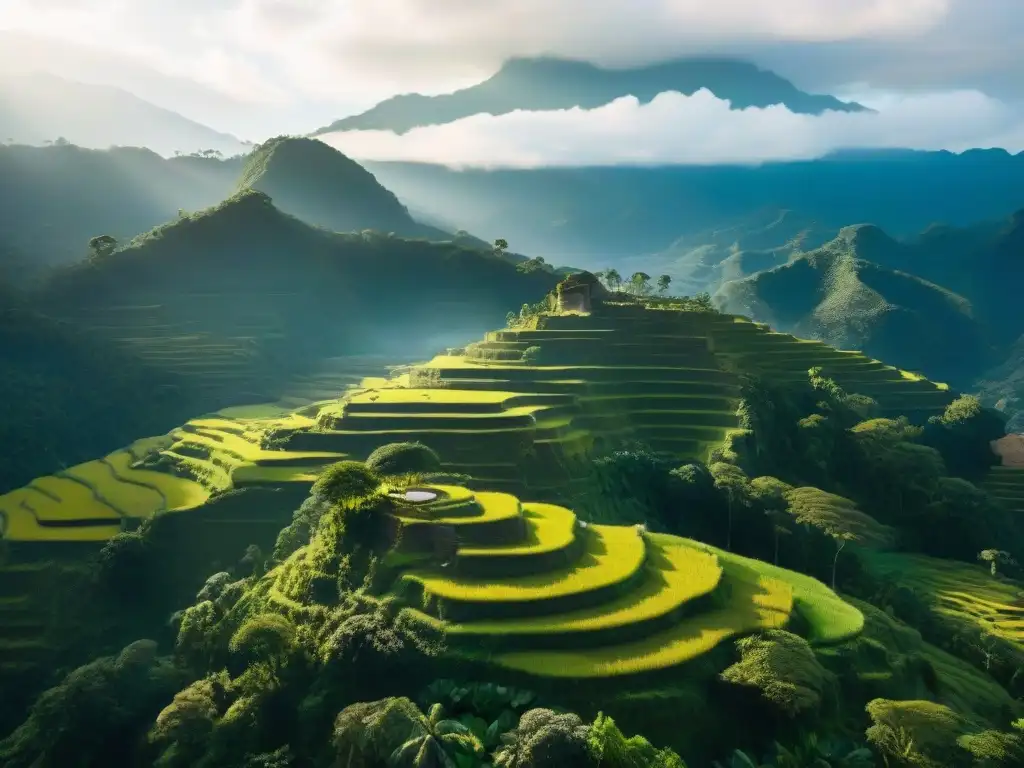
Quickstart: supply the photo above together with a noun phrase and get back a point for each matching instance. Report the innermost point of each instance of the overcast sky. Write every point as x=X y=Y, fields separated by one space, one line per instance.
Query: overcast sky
x=261 y=67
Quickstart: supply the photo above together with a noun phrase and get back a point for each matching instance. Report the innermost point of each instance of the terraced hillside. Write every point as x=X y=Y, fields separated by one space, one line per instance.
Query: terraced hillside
x=1006 y=486
x=959 y=593
x=532 y=589
x=517 y=411
x=535 y=399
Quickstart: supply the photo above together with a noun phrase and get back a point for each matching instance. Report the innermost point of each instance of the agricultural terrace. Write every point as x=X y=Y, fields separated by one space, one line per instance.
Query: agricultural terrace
x=532 y=589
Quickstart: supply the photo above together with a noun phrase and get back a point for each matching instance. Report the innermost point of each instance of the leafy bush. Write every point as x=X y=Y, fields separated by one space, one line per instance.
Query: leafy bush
x=783 y=668
x=403 y=459
x=546 y=739
x=97 y=714
x=610 y=749
x=345 y=482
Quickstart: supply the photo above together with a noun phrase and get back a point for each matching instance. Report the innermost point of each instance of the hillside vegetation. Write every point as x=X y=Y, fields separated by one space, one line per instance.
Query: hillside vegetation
x=321 y=186
x=228 y=306
x=718 y=575
x=53 y=209
x=601 y=214
x=832 y=295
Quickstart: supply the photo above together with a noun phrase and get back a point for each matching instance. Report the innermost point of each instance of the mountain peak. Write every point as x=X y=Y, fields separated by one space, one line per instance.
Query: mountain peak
x=319 y=184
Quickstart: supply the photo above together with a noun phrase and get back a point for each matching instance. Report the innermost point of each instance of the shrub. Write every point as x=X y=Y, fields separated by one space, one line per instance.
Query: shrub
x=532 y=355
x=783 y=668
x=546 y=739
x=266 y=637
x=922 y=734
x=346 y=481
x=403 y=459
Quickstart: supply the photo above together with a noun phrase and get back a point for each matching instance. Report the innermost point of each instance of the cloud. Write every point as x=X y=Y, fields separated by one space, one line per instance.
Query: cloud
x=372 y=48
x=698 y=129
x=298 y=58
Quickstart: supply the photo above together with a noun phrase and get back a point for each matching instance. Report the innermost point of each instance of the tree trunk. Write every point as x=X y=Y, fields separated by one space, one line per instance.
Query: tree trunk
x=728 y=533
x=776 y=546
x=835 y=560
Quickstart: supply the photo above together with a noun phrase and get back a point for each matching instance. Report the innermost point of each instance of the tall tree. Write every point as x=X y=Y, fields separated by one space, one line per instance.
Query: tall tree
x=612 y=279
x=770 y=494
x=836 y=517
x=664 y=281
x=732 y=482
x=640 y=283
x=101 y=245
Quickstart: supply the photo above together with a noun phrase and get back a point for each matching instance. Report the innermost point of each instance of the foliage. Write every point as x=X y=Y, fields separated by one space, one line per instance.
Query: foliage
x=997 y=558
x=300 y=531
x=394 y=731
x=921 y=734
x=783 y=668
x=630 y=485
x=346 y=481
x=488 y=709
x=962 y=435
x=403 y=459
x=836 y=517
x=96 y=714
x=734 y=484
x=266 y=638
x=639 y=283
x=611 y=749
x=545 y=739
x=182 y=729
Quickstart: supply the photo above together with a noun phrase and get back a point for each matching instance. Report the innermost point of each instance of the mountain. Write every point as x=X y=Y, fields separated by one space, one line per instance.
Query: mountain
x=37 y=108
x=56 y=198
x=832 y=295
x=548 y=83
x=323 y=187
x=241 y=295
x=982 y=262
x=703 y=260
x=593 y=217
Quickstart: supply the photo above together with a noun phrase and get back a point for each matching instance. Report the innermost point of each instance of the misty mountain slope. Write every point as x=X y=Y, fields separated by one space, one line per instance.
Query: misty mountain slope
x=56 y=198
x=323 y=187
x=702 y=261
x=831 y=295
x=548 y=83
x=36 y=108
x=592 y=216
x=983 y=263
x=68 y=396
x=241 y=295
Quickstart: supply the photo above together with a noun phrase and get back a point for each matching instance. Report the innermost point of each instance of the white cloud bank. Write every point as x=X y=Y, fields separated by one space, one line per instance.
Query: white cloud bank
x=698 y=129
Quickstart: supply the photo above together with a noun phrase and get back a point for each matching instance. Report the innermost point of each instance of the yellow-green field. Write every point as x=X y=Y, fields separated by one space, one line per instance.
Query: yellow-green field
x=625 y=602
x=959 y=591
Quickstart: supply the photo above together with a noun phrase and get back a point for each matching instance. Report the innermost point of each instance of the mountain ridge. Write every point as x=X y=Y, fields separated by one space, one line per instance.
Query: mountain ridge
x=548 y=83
x=39 y=107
